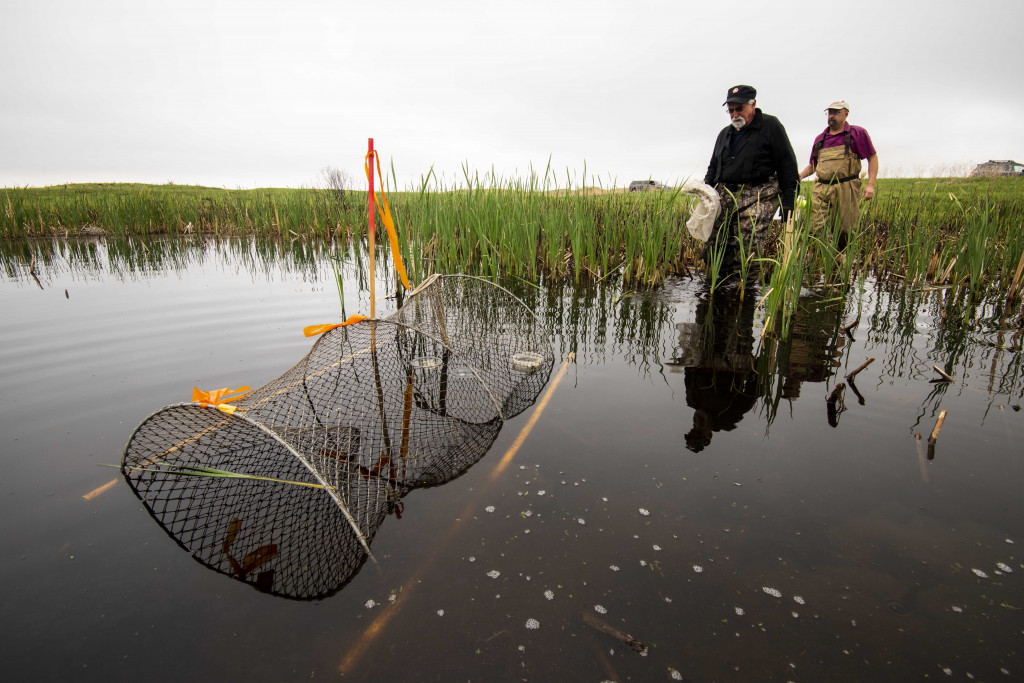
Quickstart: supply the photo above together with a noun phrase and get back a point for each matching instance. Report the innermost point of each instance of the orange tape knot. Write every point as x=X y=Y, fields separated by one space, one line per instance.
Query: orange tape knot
x=218 y=398
x=314 y=330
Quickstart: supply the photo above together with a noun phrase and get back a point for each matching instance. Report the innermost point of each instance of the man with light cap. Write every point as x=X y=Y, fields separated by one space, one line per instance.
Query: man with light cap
x=754 y=170
x=835 y=158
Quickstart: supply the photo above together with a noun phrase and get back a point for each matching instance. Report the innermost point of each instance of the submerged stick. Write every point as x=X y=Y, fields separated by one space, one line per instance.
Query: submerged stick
x=944 y=375
x=853 y=387
x=922 y=462
x=848 y=329
x=863 y=365
x=835 y=404
x=603 y=626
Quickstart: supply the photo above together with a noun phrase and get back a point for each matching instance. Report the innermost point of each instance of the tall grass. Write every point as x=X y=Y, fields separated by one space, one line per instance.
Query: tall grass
x=962 y=233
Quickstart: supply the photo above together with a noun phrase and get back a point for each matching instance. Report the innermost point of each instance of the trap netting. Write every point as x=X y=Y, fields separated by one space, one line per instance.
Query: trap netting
x=326 y=450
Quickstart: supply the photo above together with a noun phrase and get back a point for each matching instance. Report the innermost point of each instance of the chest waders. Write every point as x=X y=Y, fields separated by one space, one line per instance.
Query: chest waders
x=746 y=216
x=836 y=196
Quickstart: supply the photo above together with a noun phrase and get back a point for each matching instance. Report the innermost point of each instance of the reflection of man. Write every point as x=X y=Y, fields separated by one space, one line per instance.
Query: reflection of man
x=721 y=385
x=835 y=158
x=753 y=168
x=815 y=345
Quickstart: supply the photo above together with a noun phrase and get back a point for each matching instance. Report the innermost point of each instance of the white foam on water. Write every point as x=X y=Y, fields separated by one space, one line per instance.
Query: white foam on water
x=532 y=624
x=489 y=508
x=980 y=573
x=494 y=573
x=549 y=594
x=1004 y=567
x=370 y=604
x=697 y=568
x=600 y=609
x=774 y=592
x=739 y=611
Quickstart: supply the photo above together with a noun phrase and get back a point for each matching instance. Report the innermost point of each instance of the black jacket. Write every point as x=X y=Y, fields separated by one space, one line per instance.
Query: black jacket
x=764 y=150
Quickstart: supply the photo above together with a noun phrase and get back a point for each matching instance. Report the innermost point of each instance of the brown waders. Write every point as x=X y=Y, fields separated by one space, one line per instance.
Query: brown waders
x=836 y=195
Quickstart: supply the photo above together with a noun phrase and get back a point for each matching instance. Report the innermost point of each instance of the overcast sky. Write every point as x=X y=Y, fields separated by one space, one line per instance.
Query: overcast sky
x=255 y=94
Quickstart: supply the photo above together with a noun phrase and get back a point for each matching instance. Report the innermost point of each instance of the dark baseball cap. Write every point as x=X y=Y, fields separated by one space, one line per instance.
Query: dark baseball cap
x=740 y=93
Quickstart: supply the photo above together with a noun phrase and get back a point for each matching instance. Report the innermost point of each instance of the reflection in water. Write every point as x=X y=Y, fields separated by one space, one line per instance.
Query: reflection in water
x=908 y=330
x=725 y=375
x=716 y=353
x=887 y=569
x=373 y=411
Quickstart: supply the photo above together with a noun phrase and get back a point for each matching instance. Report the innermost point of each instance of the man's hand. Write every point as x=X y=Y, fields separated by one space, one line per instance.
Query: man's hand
x=869 y=192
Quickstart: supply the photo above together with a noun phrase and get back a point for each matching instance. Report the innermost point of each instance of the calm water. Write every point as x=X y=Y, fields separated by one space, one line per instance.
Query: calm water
x=685 y=484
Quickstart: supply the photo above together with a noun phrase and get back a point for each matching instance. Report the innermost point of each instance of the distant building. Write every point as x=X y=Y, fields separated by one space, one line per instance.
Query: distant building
x=998 y=168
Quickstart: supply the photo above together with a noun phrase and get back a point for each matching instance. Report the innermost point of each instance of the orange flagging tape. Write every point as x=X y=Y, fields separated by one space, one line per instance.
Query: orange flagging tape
x=385 y=215
x=313 y=330
x=218 y=397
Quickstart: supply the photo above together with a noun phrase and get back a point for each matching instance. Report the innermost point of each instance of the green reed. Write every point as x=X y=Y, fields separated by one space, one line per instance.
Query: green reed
x=936 y=232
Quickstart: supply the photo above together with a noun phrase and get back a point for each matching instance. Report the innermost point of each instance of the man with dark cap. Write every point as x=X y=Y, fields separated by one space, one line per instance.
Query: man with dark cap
x=754 y=170
x=835 y=158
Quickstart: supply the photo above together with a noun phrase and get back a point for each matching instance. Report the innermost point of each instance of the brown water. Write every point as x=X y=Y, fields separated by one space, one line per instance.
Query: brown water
x=685 y=484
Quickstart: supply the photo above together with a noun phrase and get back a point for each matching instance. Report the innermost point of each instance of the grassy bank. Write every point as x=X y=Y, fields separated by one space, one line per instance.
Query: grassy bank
x=959 y=231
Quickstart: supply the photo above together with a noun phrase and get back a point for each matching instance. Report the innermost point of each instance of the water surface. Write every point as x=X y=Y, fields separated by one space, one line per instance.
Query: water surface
x=685 y=484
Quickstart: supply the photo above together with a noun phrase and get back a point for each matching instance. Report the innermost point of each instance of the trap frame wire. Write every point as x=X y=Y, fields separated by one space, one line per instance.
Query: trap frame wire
x=374 y=410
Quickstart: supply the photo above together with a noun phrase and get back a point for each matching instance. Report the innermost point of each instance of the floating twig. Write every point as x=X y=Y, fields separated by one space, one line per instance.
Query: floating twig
x=863 y=365
x=848 y=329
x=945 y=377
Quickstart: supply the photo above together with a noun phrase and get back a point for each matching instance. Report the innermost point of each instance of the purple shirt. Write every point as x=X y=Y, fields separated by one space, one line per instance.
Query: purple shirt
x=860 y=141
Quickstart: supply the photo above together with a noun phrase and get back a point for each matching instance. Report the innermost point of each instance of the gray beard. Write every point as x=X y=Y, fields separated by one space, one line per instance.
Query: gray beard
x=738 y=122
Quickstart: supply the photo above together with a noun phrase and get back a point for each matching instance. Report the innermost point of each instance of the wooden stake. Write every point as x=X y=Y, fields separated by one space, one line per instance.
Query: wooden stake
x=944 y=375
x=863 y=365
x=935 y=434
x=373 y=289
x=938 y=426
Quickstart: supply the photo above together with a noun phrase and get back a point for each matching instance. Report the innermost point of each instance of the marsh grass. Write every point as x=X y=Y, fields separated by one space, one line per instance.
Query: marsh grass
x=967 y=233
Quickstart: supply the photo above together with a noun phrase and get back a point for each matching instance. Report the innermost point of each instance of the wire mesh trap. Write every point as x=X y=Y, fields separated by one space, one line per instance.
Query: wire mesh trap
x=285 y=488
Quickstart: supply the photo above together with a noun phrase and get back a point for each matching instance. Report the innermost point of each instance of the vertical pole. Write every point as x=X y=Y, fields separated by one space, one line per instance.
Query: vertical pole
x=373 y=293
